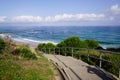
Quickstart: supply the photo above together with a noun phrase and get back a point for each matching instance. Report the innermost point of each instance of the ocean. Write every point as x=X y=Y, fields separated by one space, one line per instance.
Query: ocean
x=105 y=35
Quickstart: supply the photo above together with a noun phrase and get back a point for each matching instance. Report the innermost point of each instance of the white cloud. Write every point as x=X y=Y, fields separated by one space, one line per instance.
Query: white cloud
x=3 y=18
x=113 y=13
x=26 y=19
x=115 y=9
x=75 y=17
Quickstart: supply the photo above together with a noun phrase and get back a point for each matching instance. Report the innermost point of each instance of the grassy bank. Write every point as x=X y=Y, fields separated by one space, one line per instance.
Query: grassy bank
x=13 y=68
x=20 y=63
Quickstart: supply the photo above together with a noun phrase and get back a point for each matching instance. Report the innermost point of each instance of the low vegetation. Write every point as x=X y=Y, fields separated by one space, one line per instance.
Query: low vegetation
x=2 y=44
x=20 y=63
x=70 y=42
x=25 y=52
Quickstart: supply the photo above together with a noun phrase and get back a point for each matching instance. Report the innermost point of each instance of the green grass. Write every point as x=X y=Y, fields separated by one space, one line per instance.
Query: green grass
x=13 y=68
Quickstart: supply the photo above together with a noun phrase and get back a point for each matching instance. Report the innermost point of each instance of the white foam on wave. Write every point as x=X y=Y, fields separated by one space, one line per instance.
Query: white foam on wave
x=31 y=41
x=4 y=35
x=109 y=46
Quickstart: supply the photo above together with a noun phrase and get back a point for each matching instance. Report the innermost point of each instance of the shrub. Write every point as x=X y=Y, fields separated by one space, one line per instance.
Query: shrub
x=91 y=44
x=70 y=42
x=25 y=52
x=2 y=44
x=43 y=45
x=49 y=45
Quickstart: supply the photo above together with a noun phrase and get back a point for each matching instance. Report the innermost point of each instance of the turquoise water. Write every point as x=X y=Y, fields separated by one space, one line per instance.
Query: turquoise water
x=106 y=36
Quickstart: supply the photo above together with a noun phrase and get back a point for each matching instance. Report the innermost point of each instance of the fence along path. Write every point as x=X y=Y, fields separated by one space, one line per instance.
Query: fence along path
x=68 y=62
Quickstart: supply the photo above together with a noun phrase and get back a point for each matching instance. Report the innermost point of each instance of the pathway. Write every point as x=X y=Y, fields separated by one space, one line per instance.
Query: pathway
x=77 y=69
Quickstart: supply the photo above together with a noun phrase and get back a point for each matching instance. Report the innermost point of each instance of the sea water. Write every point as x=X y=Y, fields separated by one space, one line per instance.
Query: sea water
x=107 y=36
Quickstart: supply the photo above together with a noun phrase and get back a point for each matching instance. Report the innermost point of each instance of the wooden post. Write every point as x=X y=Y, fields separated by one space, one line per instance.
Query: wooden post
x=49 y=51
x=45 y=50
x=54 y=51
x=100 y=64
x=88 y=56
x=72 y=52
x=41 y=49
x=65 y=51
x=119 y=70
x=79 y=56
x=59 y=50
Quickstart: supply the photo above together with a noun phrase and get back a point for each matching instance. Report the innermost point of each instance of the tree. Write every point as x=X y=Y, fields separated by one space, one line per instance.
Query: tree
x=91 y=44
x=70 y=42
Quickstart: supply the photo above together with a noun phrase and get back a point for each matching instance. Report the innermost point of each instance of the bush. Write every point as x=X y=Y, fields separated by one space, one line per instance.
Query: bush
x=91 y=44
x=77 y=43
x=25 y=52
x=2 y=44
x=48 y=45
x=45 y=47
x=70 y=42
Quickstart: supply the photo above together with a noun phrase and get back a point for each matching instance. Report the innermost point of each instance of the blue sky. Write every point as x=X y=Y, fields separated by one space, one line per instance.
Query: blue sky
x=60 y=12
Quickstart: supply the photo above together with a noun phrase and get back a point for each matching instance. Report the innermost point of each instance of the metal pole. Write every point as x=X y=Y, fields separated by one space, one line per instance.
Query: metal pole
x=100 y=60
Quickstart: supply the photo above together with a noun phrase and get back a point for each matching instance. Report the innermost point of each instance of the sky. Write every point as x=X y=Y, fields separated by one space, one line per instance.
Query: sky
x=59 y=12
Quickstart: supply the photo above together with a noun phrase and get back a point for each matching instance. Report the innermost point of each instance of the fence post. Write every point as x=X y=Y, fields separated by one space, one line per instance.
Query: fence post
x=54 y=51
x=80 y=56
x=49 y=51
x=119 y=70
x=72 y=52
x=88 y=55
x=65 y=51
x=59 y=50
x=45 y=50
x=41 y=50
x=100 y=64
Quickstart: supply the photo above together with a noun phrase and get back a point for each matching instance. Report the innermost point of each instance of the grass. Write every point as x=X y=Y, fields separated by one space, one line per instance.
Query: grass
x=14 y=68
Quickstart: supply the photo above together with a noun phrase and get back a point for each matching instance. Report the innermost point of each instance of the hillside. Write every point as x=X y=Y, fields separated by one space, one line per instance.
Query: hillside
x=16 y=65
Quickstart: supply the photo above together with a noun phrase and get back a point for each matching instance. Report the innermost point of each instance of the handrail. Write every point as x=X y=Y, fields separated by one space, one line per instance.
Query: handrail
x=100 y=58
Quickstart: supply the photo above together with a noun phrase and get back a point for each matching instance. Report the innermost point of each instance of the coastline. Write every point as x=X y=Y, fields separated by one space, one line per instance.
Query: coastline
x=33 y=43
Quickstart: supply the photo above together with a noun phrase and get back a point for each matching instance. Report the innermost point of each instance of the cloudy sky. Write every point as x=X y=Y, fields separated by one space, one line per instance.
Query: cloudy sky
x=60 y=12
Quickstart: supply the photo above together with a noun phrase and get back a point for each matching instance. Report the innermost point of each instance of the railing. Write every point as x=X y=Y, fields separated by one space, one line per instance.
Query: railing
x=88 y=55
